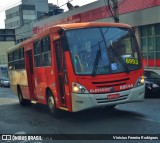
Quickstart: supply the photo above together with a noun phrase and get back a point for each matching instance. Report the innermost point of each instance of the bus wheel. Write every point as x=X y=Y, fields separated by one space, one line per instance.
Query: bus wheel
x=22 y=101
x=52 y=104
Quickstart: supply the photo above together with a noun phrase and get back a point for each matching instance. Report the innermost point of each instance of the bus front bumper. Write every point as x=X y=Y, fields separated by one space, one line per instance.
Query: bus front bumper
x=87 y=101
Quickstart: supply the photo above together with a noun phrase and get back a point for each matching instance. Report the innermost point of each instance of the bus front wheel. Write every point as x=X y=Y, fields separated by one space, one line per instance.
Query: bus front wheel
x=52 y=104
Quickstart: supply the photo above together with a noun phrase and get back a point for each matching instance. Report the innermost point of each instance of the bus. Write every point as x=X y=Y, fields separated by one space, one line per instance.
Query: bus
x=78 y=66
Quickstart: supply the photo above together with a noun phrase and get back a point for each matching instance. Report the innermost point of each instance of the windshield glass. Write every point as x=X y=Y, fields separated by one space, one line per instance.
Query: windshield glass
x=103 y=50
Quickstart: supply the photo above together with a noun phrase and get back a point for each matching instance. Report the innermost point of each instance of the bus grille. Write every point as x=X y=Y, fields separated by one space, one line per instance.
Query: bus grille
x=111 y=83
x=105 y=100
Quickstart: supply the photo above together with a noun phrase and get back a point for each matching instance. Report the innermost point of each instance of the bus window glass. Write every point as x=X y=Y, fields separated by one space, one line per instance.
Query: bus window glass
x=16 y=65
x=10 y=57
x=46 y=59
x=46 y=54
x=21 y=53
x=46 y=44
x=37 y=54
x=115 y=48
x=22 y=64
x=16 y=55
x=37 y=47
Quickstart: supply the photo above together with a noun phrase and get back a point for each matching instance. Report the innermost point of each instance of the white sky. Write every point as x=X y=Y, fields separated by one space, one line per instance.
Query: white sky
x=6 y=4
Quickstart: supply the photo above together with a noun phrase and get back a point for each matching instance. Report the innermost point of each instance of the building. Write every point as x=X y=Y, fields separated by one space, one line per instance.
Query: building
x=139 y=14
x=7 y=40
x=26 y=12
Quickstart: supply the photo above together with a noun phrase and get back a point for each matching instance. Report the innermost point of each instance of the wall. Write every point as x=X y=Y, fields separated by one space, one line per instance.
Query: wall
x=4 y=45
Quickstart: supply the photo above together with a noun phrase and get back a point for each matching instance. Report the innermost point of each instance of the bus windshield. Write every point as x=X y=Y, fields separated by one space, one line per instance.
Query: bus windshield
x=105 y=50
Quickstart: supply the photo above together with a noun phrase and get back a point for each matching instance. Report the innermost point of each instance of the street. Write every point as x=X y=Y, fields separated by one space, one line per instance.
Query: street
x=132 y=118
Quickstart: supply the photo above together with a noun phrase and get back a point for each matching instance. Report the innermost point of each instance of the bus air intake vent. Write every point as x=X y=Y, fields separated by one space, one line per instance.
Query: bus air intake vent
x=111 y=83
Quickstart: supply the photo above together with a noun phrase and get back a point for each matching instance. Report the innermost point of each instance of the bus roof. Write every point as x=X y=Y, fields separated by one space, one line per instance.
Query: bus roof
x=91 y=24
x=56 y=28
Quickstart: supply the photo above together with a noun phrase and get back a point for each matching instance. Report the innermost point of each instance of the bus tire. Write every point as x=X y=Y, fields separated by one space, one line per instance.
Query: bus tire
x=52 y=105
x=22 y=101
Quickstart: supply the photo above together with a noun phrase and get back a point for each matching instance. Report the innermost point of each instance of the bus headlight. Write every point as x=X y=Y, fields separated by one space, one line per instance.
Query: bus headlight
x=78 y=88
x=140 y=81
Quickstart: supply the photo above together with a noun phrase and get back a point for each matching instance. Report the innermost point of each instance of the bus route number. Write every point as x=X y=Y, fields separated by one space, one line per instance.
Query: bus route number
x=131 y=61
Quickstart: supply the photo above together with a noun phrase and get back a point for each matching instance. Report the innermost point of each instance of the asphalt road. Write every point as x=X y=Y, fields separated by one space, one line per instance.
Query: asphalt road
x=127 y=119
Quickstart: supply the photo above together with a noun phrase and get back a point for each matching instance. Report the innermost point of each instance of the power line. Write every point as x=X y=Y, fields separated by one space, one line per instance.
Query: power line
x=107 y=8
x=110 y=9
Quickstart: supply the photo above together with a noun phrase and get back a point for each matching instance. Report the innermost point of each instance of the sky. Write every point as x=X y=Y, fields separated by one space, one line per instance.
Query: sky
x=6 y=4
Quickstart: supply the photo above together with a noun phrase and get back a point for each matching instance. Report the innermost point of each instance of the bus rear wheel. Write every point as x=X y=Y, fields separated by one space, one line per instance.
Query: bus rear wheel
x=22 y=101
x=52 y=105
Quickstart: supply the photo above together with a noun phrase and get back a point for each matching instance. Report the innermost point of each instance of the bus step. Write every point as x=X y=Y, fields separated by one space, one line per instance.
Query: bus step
x=64 y=108
x=34 y=101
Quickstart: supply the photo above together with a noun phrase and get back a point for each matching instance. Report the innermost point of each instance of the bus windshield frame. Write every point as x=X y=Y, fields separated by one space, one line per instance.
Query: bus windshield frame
x=103 y=50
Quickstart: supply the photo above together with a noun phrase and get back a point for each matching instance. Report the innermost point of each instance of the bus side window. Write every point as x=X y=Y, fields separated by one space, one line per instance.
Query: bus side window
x=37 y=54
x=46 y=51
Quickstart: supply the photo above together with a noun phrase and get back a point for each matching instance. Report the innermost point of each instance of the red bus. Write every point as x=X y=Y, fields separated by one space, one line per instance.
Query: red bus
x=78 y=66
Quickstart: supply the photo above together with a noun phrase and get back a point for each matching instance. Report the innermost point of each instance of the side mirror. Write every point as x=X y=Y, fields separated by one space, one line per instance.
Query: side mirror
x=133 y=29
x=10 y=68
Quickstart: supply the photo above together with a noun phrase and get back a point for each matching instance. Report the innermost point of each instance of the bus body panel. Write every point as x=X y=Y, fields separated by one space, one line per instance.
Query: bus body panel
x=18 y=77
x=110 y=83
x=87 y=101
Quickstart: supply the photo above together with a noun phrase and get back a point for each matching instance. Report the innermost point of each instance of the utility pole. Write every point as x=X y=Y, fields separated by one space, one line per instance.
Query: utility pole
x=115 y=9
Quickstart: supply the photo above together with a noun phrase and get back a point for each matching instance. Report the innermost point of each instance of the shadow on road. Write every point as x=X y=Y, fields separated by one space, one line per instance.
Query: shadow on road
x=87 y=115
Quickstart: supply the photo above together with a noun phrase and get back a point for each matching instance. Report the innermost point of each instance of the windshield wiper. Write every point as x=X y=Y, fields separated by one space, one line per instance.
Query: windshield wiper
x=96 y=62
x=119 y=58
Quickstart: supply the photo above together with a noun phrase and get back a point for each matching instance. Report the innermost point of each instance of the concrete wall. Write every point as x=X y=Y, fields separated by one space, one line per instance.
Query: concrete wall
x=24 y=31
x=11 y=10
x=4 y=45
x=142 y=17
x=40 y=5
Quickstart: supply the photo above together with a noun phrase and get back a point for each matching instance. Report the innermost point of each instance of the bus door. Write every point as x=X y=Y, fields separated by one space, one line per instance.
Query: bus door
x=61 y=69
x=30 y=73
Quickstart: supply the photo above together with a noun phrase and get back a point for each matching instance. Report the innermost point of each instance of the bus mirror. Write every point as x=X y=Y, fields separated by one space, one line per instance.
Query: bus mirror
x=64 y=43
x=60 y=31
x=10 y=68
x=133 y=29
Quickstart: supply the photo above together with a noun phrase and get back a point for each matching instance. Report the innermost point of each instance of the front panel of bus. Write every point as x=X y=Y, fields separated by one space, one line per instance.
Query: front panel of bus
x=106 y=67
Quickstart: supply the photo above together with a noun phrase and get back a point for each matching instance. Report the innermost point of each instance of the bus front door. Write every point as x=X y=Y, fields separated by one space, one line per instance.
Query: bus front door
x=61 y=69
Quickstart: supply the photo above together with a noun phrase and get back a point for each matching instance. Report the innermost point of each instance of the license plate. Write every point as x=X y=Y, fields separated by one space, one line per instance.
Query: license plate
x=112 y=96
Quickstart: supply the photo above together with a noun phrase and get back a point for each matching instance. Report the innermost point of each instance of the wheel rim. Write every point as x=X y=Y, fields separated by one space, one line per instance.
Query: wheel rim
x=51 y=102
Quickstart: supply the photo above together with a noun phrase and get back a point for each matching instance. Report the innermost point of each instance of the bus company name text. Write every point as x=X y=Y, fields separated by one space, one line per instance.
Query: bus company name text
x=98 y=90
